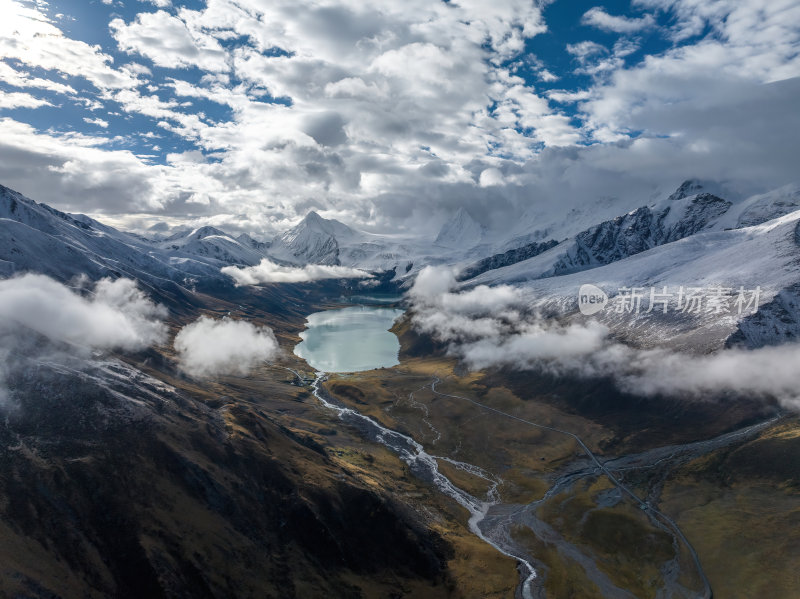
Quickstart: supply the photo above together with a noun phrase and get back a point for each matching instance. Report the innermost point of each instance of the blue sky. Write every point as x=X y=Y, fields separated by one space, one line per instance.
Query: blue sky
x=390 y=115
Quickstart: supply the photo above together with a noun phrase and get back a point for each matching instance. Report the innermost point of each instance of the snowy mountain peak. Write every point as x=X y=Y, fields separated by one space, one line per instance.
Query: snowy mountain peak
x=692 y=187
x=688 y=188
x=207 y=231
x=313 y=217
x=314 y=240
x=328 y=226
x=461 y=231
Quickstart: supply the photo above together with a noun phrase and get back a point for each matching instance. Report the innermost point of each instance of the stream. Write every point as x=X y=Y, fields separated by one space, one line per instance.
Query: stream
x=424 y=466
x=493 y=521
x=364 y=329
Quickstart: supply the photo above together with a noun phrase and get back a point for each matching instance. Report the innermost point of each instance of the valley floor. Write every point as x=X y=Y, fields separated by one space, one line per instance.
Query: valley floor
x=581 y=525
x=124 y=478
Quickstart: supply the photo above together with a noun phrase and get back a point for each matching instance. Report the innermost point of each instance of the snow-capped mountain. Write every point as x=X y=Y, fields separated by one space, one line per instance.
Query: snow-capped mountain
x=213 y=243
x=460 y=232
x=686 y=212
x=640 y=230
x=315 y=240
x=501 y=259
x=640 y=251
x=691 y=238
x=37 y=238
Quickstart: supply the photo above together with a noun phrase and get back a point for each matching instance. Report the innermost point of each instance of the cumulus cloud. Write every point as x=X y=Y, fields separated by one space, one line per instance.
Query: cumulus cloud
x=114 y=315
x=363 y=89
x=167 y=41
x=493 y=327
x=29 y=36
x=432 y=282
x=10 y=100
x=385 y=112
x=42 y=319
x=97 y=121
x=587 y=351
x=209 y=347
x=269 y=272
x=50 y=167
x=597 y=17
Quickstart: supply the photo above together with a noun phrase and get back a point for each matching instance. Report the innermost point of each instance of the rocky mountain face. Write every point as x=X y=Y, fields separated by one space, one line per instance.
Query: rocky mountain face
x=641 y=230
x=115 y=482
x=506 y=258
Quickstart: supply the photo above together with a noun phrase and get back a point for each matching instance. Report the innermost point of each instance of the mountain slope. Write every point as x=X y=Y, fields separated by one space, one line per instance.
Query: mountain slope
x=38 y=238
x=687 y=211
x=640 y=230
x=118 y=483
x=210 y=242
x=766 y=256
x=314 y=240
x=460 y=232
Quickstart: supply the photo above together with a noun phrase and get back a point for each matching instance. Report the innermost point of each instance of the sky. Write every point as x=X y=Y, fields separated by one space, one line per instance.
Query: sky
x=247 y=114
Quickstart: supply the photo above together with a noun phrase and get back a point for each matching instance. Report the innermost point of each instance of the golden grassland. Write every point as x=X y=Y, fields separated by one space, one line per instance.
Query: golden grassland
x=620 y=539
x=518 y=454
x=740 y=507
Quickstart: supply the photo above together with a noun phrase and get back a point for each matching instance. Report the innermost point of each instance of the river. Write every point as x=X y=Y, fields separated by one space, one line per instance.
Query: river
x=357 y=338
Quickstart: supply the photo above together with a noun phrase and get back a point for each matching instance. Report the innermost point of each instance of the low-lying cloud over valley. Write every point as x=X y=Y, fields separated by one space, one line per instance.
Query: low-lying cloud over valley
x=269 y=272
x=211 y=347
x=494 y=327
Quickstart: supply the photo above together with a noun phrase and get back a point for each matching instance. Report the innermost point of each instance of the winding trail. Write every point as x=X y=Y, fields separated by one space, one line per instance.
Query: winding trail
x=707 y=593
x=425 y=466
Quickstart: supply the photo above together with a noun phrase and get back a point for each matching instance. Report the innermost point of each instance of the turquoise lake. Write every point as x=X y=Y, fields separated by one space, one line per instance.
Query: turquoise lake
x=350 y=339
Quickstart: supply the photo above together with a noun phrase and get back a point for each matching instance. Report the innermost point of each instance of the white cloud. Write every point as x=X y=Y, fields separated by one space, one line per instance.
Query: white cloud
x=169 y=42
x=432 y=282
x=209 y=347
x=582 y=50
x=10 y=100
x=396 y=77
x=27 y=35
x=97 y=121
x=75 y=171
x=597 y=17
x=20 y=79
x=493 y=327
x=547 y=76
x=397 y=108
x=568 y=97
x=115 y=315
x=586 y=351
x=490 y=176
x=269 y=272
